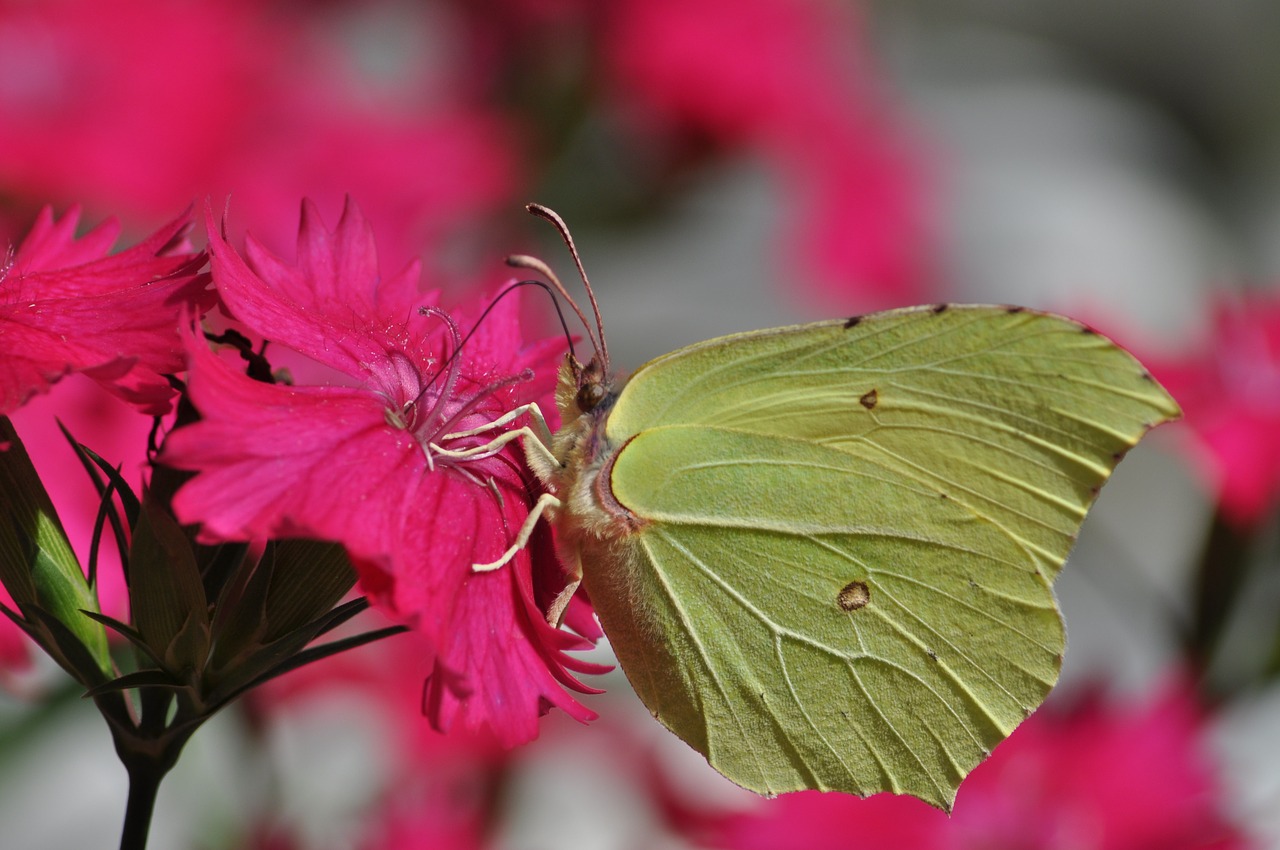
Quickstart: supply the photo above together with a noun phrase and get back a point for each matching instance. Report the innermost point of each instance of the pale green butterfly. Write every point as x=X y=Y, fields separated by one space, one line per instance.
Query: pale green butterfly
x=824 y=554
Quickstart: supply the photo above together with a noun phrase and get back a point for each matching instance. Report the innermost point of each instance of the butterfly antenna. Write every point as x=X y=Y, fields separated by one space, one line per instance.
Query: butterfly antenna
x=598 y=338
x=476 y=325
x=524 y=261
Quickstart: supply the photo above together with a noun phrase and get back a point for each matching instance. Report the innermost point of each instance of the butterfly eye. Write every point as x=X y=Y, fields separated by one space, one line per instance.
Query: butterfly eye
x=590 y=395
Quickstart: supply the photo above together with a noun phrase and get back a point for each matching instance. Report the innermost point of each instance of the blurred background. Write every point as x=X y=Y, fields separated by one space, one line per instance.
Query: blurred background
x=725 y=165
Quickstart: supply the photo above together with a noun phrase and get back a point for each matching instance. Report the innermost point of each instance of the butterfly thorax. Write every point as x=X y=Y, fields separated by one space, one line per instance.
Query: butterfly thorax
x=585 y=397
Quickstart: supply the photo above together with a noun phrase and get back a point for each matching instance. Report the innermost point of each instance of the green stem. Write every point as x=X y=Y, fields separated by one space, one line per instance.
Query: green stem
x=148 y=759
x=144 y=785
x=1219 y=577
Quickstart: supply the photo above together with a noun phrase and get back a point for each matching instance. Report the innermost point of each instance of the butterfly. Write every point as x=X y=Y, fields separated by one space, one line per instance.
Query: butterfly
x=824 y=554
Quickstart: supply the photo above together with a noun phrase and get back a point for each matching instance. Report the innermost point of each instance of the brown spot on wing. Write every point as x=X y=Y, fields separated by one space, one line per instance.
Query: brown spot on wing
x=869 y=399
x=853 y=596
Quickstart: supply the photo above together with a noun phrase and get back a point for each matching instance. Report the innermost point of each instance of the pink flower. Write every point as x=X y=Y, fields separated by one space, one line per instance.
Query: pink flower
x=303 y=145
x=355 y=462
x=1229 y=389
x=1095 y=776
x=65 y=306
x=478 y=676
x=439 y=791
x=138 y=105
x=433 y=823
x=446 y=799
x=15 y=646
x=411 y=135
x=787 y=80
x=122 y=104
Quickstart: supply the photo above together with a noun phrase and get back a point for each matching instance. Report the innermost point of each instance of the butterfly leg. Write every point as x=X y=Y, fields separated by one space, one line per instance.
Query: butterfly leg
x=535 y=413
x=546 y=500
x=537 y=445
x=538 y=437
x=555 y=614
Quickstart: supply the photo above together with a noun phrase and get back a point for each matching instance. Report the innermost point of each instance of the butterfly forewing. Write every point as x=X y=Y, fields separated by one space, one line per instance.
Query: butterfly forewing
x=1021 y=415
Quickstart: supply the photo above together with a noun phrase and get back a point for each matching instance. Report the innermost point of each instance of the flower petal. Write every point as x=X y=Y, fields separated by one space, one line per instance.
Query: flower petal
x=113 y=317
x=333 y=305
x=1228 y=386
x=277 y=460
x=503 y=665
x=51 y=243
x=351 y=464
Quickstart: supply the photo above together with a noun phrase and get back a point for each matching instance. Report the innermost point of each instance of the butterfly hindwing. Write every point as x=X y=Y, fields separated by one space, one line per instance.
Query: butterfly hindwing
x=836 y=629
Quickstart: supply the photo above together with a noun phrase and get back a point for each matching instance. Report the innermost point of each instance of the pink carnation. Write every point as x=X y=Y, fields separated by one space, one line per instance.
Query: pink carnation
x=15 y=646
x=126 y=103
x=66 y=306
x=137 y=105
x=1229 y=389
x=354 y=462
x=1094 y=776
x=790 y=81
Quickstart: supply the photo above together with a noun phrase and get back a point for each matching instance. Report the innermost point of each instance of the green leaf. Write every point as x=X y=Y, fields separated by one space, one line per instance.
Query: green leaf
x=138 y=679
x=64 y=645
x=308 y=579
x=298 y=660
x=295 y=583
x=116 y=486
x=240 y=620
x=220 y=564
x=37 y=564
x=235 y=679
x=166 y=594
x=128 y=632
x=90 y=459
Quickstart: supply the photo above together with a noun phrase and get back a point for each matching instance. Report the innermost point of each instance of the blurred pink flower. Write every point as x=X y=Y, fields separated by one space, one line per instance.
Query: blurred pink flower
x=123 y=104
x=437 y=825
x=354 y=463
x=788 y=80
x=427 y=178
x=1229 y=389
x=1095 y=777
x=403 y=127
x=15 y=646
x=444 y=801
x=66 y=306
x=140 y=105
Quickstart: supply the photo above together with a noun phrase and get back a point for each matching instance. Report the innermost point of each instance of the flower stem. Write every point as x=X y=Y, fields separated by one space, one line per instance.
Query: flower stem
x=148 y=759
x=144 y=785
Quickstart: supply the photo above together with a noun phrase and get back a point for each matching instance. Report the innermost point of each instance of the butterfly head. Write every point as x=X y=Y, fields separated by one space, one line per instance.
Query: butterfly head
x=593 y=386
x=583 y=388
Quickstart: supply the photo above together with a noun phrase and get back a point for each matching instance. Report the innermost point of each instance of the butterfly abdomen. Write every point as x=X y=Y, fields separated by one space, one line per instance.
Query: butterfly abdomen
x=590 y=506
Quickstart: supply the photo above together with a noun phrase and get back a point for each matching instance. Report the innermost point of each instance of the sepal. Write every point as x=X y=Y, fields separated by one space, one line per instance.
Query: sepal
x=166 y=594
x=41 y=572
